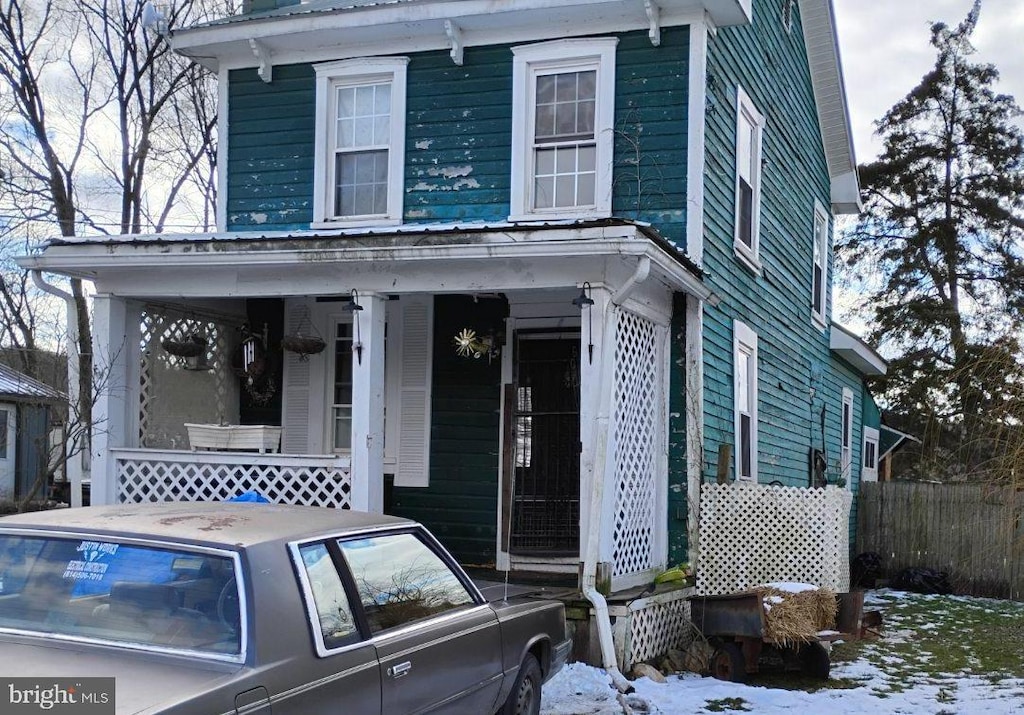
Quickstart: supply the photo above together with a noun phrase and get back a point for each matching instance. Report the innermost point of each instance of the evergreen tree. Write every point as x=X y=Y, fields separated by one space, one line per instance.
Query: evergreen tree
x=941 y=238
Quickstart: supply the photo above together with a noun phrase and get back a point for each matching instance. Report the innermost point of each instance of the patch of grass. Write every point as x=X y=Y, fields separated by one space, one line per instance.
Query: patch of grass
x=726 y=705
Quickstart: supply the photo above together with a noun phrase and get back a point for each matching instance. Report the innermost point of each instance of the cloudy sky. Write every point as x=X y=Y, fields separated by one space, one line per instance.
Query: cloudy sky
x=885 y=52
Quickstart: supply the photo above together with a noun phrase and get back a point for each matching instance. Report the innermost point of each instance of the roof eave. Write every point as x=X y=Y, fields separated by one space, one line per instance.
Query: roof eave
x=856 y=352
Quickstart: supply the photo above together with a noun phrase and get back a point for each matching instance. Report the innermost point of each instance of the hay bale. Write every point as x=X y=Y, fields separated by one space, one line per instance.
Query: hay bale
x=795 y=613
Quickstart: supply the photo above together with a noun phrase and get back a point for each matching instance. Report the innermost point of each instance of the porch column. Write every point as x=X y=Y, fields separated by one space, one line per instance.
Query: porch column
x=368 y=404
x=111 y=359
x=597 y=374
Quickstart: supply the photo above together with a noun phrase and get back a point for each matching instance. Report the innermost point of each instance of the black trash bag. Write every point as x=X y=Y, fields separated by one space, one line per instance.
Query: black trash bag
x=864 y=569
x=922 y=580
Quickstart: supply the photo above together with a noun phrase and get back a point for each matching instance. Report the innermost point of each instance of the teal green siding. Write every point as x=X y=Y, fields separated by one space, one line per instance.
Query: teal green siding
x=793 y=356
x=678 y=543
x=841 y=375
x=460 y=505
x=872 y=415
x=458 y=138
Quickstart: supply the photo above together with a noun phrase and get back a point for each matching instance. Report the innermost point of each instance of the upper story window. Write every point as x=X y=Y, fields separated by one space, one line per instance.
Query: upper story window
x=360 y=142
x=819 y=280
x=562 y=139
x=749 y=130
x=745 y=400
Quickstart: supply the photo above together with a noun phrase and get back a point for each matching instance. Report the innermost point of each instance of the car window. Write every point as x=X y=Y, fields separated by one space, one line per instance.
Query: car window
x=126 y=593
x=337 y=626
x=401 y=580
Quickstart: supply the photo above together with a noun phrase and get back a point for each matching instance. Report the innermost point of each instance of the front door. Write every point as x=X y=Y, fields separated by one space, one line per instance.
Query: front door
x=545 y=444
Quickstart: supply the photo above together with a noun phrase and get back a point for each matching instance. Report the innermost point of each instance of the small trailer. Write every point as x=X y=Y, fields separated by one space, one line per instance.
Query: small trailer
x=734 y=625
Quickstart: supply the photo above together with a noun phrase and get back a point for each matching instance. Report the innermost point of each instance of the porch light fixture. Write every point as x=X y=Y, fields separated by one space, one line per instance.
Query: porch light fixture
x=583 y=300
x=354 y=308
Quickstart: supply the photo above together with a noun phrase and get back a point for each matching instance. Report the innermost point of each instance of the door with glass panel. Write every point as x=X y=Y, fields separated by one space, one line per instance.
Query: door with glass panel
x=339 y=382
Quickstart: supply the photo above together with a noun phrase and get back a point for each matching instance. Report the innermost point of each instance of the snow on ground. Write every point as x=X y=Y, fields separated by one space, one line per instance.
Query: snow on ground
x=583 y=690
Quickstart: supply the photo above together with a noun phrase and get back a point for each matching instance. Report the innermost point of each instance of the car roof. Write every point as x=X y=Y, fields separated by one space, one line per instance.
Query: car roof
x=231 y=524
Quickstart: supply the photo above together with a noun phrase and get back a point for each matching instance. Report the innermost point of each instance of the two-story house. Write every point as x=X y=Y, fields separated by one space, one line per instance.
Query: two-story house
x=540 y=270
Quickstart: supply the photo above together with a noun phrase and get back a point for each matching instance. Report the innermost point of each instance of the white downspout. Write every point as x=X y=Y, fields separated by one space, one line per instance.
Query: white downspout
x=73 y=465
x=591 y=556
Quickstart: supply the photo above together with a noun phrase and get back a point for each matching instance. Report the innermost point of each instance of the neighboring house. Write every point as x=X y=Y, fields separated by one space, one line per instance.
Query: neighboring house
x=26 y=420
x=558 y=256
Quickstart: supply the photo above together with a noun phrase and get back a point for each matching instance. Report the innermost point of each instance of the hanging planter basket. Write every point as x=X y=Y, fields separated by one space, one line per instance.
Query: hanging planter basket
x=302 y=345
x=193 y=346
x=305 y=341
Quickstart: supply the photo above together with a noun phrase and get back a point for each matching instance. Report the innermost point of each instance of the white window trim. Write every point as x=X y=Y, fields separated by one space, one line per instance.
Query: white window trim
x=333 y=320
x=568 y=55
x=822 y=243
x=846 y=439
x=871 y=436
x=749 y=256
x=329 y=75
x=745 y=339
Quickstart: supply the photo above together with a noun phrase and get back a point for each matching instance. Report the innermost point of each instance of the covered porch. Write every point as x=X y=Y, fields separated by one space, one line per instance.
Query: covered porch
x=507 y=384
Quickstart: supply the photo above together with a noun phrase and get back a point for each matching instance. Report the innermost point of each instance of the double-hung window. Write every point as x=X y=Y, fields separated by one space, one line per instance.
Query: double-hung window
x=360 y=142
x=749 y=131
x=869 y=467
x=745 y=394
x=563 y=111
x=846 y=452
x=819 y=279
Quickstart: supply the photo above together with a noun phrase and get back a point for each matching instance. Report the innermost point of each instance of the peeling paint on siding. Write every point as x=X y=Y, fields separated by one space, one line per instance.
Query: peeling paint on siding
x=451 y=172
x=424 y=144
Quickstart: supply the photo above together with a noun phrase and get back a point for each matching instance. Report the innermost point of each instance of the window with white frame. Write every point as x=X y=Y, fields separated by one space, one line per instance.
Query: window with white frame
x=745 y=394
x=360 y=142
x=749 y=131
x=563 y=111
x=846 y=452
x=819 y=281
x=339 y=380
x=869 y=467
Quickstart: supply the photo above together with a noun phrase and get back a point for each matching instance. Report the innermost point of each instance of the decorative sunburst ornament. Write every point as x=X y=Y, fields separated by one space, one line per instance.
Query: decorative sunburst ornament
x=467 y=344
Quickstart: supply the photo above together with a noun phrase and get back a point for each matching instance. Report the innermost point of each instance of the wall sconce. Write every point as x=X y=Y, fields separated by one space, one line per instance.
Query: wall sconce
x=583 y=300
x=354 y=308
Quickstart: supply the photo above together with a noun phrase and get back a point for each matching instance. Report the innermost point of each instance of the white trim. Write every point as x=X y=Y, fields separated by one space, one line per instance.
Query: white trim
x=746 y=111
x=8 y=474
x=820 y=243
x=221 y=208
x=569 y=56
x=744 y=340
x=694 y=375
x=329 y=76
x=855 y=351
x=846 y=438
x=869 y=474
x=695 y=131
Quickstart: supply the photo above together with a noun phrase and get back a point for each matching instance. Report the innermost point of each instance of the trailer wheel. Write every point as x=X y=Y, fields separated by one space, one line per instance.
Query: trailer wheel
x=728 y=663
x=814 y=661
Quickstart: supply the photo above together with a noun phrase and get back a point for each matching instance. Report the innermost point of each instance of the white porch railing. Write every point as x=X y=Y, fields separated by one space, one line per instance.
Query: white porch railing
x=147 y=475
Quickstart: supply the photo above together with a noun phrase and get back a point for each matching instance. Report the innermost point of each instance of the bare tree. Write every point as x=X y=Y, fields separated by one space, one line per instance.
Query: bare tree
x=104 y=130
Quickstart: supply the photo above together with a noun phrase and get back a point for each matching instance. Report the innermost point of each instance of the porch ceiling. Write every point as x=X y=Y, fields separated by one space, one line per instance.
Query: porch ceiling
x=435 y=258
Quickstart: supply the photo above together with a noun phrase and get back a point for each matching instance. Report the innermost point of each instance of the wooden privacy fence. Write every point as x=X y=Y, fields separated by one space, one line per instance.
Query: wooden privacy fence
x=973 y=532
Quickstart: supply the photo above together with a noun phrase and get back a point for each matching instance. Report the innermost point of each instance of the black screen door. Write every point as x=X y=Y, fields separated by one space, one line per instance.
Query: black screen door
x=546 y=446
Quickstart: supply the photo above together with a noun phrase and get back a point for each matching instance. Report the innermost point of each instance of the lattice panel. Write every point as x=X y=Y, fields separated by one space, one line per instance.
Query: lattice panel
x=140 y=480
x=655 y=628
x=751 y=534
x=173 y=390
x=638 y=424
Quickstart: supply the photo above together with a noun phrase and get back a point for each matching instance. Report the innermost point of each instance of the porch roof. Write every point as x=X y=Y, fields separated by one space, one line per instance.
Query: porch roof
x=17 y=386
x=114 y=259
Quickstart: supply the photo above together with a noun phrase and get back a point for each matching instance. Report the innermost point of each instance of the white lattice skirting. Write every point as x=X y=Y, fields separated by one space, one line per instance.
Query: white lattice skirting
x=751 y=534
x=649 y=627
x=168 y=476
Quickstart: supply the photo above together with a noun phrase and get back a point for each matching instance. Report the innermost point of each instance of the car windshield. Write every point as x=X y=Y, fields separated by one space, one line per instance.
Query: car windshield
x=122 y=592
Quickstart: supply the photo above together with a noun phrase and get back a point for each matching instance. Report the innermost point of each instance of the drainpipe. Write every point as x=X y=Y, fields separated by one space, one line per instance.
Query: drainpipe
x=591 y=556
x=73 y=465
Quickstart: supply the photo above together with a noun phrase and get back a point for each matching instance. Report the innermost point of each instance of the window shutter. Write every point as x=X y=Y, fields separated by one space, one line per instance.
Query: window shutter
x=411 y=338
x=296 y=392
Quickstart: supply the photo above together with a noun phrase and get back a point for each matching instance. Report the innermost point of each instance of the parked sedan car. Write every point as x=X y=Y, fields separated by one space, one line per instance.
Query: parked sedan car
x=231 y=607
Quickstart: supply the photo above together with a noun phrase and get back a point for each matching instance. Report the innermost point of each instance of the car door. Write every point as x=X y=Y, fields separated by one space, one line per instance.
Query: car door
x=438 y=643
x=345 y=676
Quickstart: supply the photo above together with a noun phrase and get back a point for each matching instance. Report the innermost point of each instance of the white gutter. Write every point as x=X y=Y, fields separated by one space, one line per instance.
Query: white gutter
x=73 y=463
x=591 y=556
